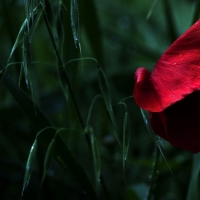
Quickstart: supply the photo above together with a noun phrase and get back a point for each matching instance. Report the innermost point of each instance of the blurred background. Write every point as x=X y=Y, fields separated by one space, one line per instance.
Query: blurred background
x=121 y=36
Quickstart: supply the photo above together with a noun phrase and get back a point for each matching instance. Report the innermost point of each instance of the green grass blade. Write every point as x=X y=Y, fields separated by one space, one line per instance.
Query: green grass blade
x=26 y=46
x=63 y=82
x=104 y=88
x=126 y=138
x=63 y=155
x=151 y=9
x=145 y=116
x=95 y=152
x=29 y=7
x=63 y=77
x=193 y=190
x=74 y=14
x=67 y=160
x=26 y=57
x=48 y=158
x=37 y=13
x=90 y=109
x=155 y=138
x=51 y=17
x=18 y=39
x=25 y=36
x=96 y=158
x=154 y=174
x=49 y=155
x=29 y=166
x=107 y=99
x=60 y=31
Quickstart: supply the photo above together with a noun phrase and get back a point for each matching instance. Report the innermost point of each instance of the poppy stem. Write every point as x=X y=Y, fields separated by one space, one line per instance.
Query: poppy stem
x=154 y=173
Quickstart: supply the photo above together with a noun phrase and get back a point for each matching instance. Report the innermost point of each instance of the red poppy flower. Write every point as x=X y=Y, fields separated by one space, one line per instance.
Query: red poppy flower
x=171 y=93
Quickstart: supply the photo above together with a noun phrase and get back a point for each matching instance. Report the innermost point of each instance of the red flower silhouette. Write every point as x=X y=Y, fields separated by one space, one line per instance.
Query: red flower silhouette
x=171 y=93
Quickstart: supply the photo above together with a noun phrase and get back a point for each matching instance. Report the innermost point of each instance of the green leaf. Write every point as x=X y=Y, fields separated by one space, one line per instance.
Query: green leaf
x=193 y=190
x=63 y=155
x=29 y=165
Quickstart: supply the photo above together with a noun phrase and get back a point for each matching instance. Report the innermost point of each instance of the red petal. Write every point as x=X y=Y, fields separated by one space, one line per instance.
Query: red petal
x=175 y=75
x=179 y=124
x=144 y=92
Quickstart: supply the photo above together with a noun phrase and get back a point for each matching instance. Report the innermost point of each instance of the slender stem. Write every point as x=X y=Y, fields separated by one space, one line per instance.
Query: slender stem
x=64 y=73
x=70 y=90
x=153 y=175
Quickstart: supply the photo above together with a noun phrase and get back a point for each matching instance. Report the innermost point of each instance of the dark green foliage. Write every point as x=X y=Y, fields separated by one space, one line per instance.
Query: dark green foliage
x=69 y=126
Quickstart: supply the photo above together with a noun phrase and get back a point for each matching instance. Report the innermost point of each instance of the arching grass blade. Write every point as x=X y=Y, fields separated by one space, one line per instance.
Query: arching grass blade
x=107 y=99
x=63 y=155
x=29 y=165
